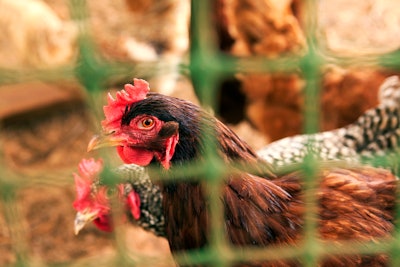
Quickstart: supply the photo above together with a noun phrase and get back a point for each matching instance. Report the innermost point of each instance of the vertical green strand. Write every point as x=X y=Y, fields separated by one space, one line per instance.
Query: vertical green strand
x=204 y=81
x=310 y=66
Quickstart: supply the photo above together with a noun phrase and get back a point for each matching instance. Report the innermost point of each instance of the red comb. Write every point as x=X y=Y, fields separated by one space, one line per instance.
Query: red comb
x=116 y=107
x=88 y=170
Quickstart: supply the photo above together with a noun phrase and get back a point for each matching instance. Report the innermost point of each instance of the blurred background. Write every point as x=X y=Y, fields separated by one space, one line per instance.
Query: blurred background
x=58 y=59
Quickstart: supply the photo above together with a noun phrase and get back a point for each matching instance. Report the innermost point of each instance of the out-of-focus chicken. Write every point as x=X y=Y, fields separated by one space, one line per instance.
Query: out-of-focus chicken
x=265 y=27
x=141 y=197
x=261 y=207
x=92 y=202
x=275 y=101
x=32 y=35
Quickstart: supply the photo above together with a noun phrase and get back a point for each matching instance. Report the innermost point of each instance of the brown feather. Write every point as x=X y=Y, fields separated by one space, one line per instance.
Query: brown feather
x=354 y=203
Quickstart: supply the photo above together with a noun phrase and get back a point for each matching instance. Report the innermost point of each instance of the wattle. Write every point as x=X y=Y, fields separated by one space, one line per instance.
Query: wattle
x=138 y=156
x=104 y=223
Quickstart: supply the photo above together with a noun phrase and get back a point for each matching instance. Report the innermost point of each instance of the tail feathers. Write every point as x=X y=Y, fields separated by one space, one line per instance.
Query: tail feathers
x=389 y=92
x=376 y=131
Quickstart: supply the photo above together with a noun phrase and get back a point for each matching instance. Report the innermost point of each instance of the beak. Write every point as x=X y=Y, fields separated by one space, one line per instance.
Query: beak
x=104 y=140
x=81 y=219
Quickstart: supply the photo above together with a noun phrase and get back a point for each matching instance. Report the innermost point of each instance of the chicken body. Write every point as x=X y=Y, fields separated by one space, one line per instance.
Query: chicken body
x=261 y=208
x=375 y=132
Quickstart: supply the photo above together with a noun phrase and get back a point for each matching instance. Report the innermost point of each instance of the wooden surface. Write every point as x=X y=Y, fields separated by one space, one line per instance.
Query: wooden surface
x=17 y=99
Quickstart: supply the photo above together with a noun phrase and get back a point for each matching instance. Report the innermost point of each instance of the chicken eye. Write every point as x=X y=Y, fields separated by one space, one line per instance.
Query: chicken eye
x=146 y=123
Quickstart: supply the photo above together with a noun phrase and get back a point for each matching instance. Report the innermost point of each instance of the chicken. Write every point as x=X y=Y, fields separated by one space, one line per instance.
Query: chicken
x=34 y=36
x=141 y=197
x=274 y=102
x=261 y=208
x=350 y=143
x=158 y=228
x=92 y=202
x=376 y=132
x=266 y=27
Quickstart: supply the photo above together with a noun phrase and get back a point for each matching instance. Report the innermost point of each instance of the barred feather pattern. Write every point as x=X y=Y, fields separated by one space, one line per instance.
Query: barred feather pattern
x=151 y=215
x=375 y=133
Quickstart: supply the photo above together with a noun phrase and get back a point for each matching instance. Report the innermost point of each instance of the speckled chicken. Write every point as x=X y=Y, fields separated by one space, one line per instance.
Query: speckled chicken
x=141 y=197
x=374 y=133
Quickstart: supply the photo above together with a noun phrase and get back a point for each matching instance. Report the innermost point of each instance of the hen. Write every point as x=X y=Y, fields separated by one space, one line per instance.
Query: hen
x=362 y=140
x=261 y=208
x=376 y=132
x=141 y=197
x=92 y=201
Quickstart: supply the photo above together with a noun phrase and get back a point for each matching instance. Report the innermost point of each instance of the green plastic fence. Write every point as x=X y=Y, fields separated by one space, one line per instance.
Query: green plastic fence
x=207 y=65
